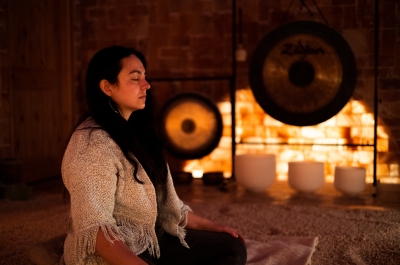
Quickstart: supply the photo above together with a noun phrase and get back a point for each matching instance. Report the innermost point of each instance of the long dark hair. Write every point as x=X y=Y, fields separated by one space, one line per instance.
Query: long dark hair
x=140 y=135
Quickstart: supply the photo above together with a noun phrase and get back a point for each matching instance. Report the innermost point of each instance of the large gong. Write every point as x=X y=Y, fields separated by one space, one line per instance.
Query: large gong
x=303 y=73
x=193 y=125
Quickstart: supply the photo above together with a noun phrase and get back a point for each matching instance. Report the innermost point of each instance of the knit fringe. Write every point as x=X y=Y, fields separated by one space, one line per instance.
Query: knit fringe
x=184 y=215
x=181 y=231
x=85 y=244
x=137 y=238
x=85 y=241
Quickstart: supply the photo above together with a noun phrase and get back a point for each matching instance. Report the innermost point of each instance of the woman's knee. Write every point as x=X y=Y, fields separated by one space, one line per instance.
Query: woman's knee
x=235 y=253
x=239 y=248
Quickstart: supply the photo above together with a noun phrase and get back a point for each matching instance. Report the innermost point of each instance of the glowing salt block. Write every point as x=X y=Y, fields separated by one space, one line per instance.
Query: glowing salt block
x=350 y=180
x=306 y=176
x=197 y=173
x=255 y=172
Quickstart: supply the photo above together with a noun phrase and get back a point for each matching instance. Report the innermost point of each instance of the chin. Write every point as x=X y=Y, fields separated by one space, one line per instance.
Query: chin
x=141 y=107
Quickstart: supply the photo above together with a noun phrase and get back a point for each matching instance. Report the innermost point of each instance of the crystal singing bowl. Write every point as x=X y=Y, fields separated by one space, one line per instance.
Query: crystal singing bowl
x=350 y=180
x=306 y=176
x=255 y=172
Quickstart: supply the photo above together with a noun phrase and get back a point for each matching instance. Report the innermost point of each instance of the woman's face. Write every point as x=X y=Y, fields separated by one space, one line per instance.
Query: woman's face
x=130 y=91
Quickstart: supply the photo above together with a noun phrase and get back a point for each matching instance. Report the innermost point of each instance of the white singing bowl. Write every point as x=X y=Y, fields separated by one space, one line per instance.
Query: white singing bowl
x=350 y=180
x=255 y=172
x=306 y=176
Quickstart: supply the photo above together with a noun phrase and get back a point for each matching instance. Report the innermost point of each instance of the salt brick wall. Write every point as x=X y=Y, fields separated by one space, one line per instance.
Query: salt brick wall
x=193 y=38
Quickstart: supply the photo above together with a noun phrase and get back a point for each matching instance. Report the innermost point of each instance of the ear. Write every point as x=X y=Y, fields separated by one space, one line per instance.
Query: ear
x=105 y=87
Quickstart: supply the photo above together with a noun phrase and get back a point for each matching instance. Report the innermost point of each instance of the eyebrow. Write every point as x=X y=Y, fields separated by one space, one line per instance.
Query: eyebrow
x=136 y=71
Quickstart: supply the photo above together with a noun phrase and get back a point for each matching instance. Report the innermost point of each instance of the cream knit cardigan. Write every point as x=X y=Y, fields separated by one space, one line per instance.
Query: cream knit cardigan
x=104 y=195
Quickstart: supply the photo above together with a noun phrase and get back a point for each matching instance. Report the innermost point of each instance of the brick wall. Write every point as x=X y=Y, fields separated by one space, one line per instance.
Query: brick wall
x=179 y=38
x=5 y=91
x=193 y=38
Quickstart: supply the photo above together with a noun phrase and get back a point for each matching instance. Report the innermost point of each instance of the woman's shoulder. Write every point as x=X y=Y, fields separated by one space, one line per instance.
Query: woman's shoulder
x=88 y=123
x=90 y=131
x=90 y=140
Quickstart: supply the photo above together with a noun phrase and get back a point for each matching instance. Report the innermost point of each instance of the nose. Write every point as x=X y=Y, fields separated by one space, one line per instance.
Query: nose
x=145 y=85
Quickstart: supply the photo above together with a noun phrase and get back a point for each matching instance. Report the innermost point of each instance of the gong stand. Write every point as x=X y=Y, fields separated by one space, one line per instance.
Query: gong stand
x=304 y=72
x=376 y=75
x=197 y=151
x=232 y=91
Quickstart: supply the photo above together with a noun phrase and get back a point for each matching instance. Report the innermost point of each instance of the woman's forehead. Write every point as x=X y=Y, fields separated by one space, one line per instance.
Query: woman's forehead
x=132 y=64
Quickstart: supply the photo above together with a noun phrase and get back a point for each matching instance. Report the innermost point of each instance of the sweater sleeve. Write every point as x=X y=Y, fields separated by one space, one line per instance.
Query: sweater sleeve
x=89 y=172
x=173 y=212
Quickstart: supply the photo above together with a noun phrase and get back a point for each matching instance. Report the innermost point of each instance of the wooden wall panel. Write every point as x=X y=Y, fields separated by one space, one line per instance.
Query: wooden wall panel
x=38 y=123
x=36 y=77
x=6 y=149
x=40 y=65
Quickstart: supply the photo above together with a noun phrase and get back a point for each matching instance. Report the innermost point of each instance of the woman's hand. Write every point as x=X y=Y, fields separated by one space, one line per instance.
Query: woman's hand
x=229 y=230
x=200 y=223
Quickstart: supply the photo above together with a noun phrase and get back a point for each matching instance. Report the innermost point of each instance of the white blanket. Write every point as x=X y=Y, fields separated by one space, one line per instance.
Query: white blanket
x=284 y=251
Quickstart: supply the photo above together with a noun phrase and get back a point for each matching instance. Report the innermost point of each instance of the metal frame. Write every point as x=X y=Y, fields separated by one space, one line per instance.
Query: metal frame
x=376 y=75
x=376 y=100
x=232 y=84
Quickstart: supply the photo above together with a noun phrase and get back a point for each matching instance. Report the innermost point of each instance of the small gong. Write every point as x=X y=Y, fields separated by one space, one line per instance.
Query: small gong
x=193 y=125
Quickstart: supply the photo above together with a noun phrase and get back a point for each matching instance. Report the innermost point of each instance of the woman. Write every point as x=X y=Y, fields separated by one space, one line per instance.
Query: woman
x=124 y=208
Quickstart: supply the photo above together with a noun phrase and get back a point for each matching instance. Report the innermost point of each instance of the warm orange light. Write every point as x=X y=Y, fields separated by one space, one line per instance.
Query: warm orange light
x=325 y=142
x=197 y=173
